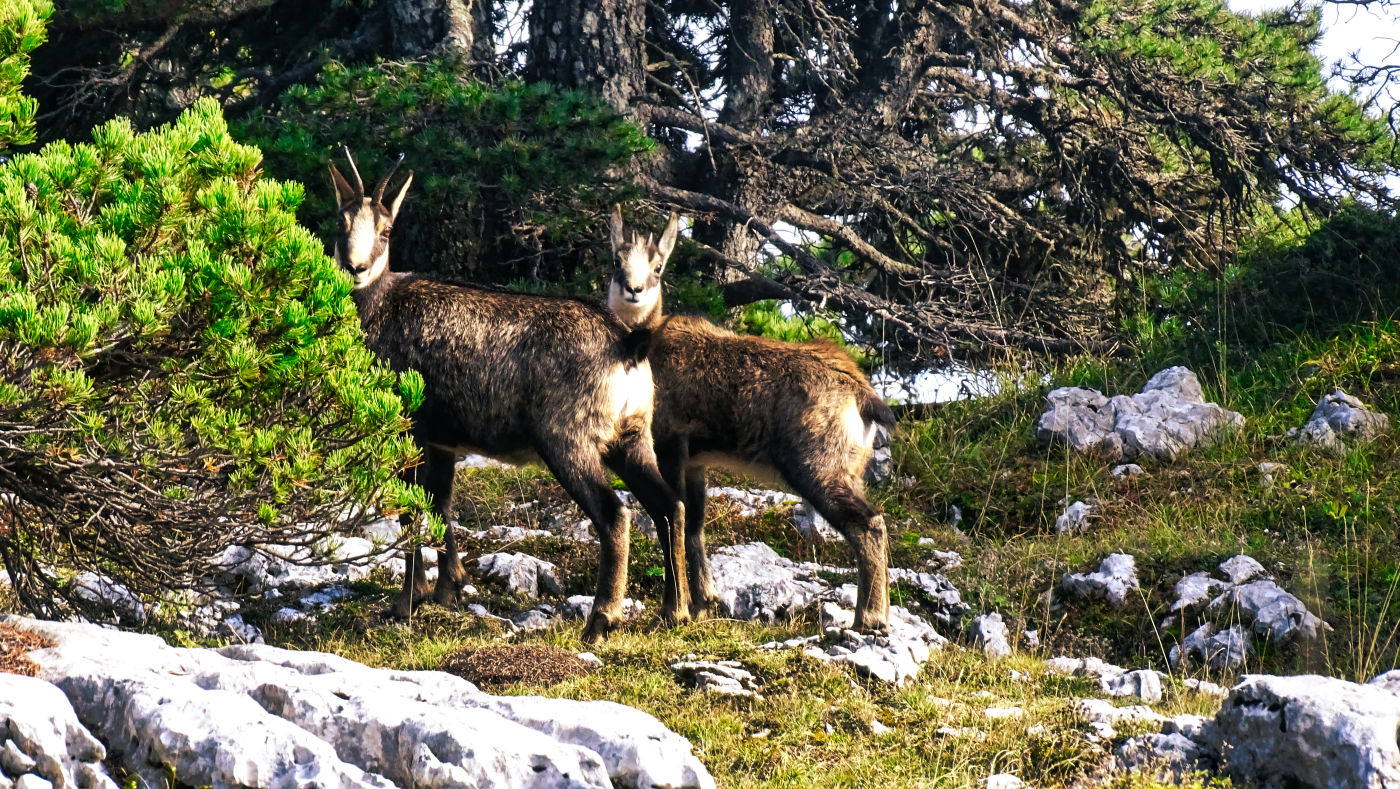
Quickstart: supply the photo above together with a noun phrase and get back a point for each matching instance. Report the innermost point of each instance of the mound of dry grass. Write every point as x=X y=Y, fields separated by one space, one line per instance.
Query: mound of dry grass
x=496 y=667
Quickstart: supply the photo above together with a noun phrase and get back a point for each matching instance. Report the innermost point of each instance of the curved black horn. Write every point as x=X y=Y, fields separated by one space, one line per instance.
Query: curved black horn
x=359 y=183
x=383 y=182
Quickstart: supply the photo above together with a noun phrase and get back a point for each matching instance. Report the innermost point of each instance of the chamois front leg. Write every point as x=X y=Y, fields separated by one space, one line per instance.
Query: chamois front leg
x=636 y=465
x=580 y=472
x=439 y=472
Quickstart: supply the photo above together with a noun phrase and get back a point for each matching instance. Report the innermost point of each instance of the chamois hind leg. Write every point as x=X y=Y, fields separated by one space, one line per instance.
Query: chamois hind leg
x=840 y=498
x=579 y=470
x=427 y=474
x=702 y=585
x=635 y=463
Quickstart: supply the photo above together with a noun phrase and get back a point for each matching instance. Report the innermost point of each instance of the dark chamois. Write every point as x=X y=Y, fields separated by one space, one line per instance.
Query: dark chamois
x=751 y=404
x=517 y=377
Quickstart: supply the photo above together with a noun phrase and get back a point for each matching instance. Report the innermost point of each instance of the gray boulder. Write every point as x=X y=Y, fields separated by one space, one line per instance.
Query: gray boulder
x=1340 y=418
x=256 y=716
x=1220 y=649
x=1273 y=612
x=1170 y=757
x=1116 y=576
x=1113 y=680
x=1195 y=591
x=1309 y=731
x=520 y=572
x=1168 y=417
x=754 y=582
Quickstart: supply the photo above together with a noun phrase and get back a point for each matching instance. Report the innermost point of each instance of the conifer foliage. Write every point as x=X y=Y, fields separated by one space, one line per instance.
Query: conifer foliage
x=181 y=367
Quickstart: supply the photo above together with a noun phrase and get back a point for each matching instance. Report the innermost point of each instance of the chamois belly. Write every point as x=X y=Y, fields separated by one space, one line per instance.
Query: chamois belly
x=760 y=470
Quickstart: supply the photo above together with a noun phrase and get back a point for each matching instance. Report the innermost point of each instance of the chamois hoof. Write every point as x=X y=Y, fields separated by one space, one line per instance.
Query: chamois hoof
x=597 y=628
x=869 y=623
x=672 y=616
x=702 y=609
x=447 y=595
x=402 y=607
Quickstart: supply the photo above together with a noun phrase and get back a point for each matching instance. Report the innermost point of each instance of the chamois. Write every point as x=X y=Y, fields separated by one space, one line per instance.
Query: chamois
x=517 y=377
x=752 y=404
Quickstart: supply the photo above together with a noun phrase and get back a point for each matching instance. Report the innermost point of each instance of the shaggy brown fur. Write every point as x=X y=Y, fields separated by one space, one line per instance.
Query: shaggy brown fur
x=801 y=411
x=521 y=378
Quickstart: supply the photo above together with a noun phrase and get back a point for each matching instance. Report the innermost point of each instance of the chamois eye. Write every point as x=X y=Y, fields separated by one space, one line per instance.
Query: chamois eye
x=657 y=269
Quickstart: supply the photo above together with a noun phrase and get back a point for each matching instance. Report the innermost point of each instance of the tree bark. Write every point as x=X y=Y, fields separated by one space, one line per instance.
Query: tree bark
x=593 y=45
x=436 y=27
x=748 y=77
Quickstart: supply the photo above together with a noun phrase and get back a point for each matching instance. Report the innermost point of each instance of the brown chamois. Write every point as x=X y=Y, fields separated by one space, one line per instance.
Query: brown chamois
x=523 y=378
x=751 y=404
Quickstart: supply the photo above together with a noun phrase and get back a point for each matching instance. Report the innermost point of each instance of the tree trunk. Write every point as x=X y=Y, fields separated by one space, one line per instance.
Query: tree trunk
x=438 y=27
x=593 y=45
x=748 y=79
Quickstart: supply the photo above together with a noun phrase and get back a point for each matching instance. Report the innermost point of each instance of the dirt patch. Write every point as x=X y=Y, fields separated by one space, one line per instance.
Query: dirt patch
x=496 y=667
x=14 y=645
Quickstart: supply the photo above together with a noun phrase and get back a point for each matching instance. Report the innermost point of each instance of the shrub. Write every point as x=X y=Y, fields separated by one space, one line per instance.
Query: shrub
x=181 y=367
x=21 y=30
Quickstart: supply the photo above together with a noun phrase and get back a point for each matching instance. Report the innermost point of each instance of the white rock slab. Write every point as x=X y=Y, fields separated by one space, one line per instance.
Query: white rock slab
x=1115 y=578
x=258 y=716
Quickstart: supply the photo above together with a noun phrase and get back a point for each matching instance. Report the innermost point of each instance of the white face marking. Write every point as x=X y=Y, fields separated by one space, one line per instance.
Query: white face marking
x=636 y=286
x=361 y=241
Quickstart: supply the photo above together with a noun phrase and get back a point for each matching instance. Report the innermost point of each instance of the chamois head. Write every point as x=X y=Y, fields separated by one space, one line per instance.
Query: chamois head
x=634 y=294
x=364 y=221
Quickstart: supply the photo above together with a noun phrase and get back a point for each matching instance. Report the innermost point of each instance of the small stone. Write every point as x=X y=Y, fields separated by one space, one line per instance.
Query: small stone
x=1003 y=781
x=990 y=632
x=1116 y=576
x=590 y=658
x=877 y=728
x=812 y=525
x=1075 y=518
x=15 y=761
x=1127 y=470
x=1032 y=639
x=1003 y=713
x=1242 y=569
x=32 y=781
x=1205 y=688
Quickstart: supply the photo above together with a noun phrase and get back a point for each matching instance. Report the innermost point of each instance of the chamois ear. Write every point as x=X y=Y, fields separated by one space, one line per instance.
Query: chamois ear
x=398 y=198
x=344 y=192
x=615 y=227
x=668 y=237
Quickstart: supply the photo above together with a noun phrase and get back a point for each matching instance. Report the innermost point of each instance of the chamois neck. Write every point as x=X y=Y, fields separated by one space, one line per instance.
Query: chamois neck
x=368 y=297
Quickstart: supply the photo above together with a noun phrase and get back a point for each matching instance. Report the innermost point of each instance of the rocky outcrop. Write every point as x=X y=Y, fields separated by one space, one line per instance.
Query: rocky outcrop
x=1310 y=731
x=1115 y=578
x=43 y=740
x=1167 y=418
x=257 y=716
x=1241 y=598
x=1337 y=420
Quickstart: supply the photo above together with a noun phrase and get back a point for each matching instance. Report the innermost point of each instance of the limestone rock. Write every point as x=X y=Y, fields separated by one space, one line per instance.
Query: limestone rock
x=1127 y=470
x=1274 y=613
x=1168 y=417
x=1220 y=649
x=1242 y=569
x=257 y=716
x=43 y=740
x=1310 y=731
x=754 y=582
x=752 y=501
x=1003 y=781
x=1339 y=418
x=1116 y=576
x=725 y=677
x=520 y=572
x=108 y=594
x=812 y=525
x=1164 y=756
x=943 y=601
x=1075 y=518
x=1194 y=591
x=990 y=632
x=580 y=606
x=1113 y=680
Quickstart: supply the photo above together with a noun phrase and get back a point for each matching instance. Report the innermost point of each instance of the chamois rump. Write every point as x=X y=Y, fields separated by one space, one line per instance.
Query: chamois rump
x=752 y=404
x=517 y=377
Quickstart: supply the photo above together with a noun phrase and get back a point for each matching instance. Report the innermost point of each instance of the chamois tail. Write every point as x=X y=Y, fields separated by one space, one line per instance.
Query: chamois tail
x=874 y=409
x=636 y=345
